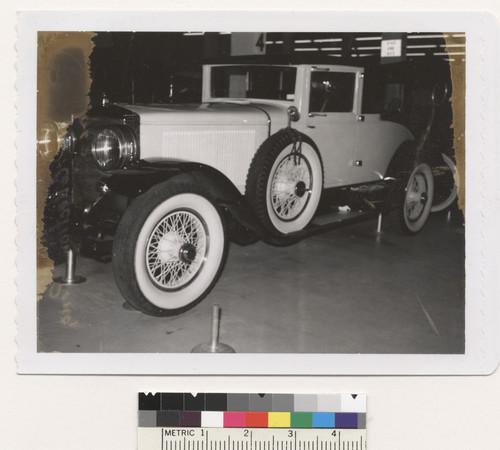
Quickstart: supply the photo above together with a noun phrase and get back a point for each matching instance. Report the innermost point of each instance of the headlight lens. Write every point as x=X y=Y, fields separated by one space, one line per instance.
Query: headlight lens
x=114 y=147
x=106 y=149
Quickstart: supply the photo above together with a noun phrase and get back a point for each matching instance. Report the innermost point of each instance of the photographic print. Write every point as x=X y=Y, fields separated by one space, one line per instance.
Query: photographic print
x=250 y=192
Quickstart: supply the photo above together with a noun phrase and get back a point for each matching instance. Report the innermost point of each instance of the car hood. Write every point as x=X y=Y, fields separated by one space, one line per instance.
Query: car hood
x=227 y=113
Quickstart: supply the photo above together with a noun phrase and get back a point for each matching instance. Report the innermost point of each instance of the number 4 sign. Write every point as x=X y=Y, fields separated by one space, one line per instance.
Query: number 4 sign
x=248 y=44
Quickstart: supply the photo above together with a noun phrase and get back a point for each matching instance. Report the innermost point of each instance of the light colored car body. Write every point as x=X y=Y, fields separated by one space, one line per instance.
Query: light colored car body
x=174 y=183
x=225 y=133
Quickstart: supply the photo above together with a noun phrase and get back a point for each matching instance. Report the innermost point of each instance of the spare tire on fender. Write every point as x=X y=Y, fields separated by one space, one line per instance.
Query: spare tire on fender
x=284 y=182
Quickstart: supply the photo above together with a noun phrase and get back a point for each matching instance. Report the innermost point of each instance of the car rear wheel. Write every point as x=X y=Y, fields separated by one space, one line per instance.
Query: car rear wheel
x=445 y=184
x=169 y=249
x=415 y=207
x=284 y=182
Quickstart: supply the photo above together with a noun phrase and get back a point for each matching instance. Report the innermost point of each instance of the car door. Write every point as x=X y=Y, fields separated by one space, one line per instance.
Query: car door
x=332 y=120
x=376 y=142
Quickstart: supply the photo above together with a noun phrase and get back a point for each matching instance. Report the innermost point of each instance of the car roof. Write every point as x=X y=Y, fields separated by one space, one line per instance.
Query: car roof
x=282 y=60
x=319 y=66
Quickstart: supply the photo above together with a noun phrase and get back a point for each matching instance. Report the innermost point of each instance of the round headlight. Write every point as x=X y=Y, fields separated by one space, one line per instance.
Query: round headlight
x=113 y=147
x=106 y=149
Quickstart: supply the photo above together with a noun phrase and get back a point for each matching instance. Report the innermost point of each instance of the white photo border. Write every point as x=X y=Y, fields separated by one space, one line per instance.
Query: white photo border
x=482 y=311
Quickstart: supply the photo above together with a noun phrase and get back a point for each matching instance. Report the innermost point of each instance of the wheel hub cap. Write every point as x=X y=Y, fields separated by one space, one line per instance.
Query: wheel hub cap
x=300 y=189
x=187 y=253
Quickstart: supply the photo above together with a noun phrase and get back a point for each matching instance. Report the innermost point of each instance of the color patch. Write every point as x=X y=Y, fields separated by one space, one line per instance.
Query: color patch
x=172 y=402
x=212 y=419
x=234 y=419
x=323 y=420
x=216 y=402
x=237 y=402
x=329 y=403
x=190 y=418
x=256 y=419
x=301 y=420
x=167 y=419
x=361 y=420
x=194 y=403
x=353 y=403
x=147 y=418
x=305 y=403
x=279 y=420
x=260 y=402
x=282 y=402
x=346 y=420
x=149 y=402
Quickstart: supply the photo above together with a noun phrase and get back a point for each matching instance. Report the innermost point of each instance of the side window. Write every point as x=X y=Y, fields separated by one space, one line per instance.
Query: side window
x=332 y=92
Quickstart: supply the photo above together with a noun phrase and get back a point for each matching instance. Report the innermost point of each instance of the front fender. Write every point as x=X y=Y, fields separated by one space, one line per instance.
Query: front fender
x=244 y=227
x=137 y=180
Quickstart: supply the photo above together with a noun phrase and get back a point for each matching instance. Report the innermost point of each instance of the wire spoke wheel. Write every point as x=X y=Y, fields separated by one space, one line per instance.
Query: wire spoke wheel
x=170 y=248
x=284 y=185
x=176 y=249
x=291 y=187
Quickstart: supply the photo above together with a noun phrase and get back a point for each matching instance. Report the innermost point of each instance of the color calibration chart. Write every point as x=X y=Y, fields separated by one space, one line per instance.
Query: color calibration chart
x=185 y=421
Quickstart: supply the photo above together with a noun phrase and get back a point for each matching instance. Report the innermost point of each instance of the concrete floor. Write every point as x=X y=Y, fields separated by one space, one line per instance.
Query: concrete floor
x=345 y=291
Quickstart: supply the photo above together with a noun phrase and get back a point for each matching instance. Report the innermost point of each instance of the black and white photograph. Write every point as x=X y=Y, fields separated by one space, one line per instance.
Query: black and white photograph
x=276 y=192
x=252 y=193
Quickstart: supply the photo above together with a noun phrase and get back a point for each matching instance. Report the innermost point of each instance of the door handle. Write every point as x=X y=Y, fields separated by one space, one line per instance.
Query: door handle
x=316 y=115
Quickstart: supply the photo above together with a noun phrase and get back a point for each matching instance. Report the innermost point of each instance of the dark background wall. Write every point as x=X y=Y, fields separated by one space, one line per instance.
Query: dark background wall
x=166 y=67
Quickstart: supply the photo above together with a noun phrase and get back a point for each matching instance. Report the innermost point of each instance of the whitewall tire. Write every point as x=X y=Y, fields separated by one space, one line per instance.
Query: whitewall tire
x=417 y=202
x=169 y=249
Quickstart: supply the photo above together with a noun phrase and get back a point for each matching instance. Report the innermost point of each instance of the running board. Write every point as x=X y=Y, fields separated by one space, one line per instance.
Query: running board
x=337 y=217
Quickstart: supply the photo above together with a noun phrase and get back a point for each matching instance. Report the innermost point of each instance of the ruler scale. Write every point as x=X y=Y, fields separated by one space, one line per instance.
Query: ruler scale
x=178 y=421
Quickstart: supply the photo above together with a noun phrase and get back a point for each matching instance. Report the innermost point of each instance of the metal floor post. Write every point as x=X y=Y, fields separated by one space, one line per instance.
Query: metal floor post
x=70 y=277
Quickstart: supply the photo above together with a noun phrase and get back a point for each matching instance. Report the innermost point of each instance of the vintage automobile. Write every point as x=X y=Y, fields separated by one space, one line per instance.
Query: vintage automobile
x=273 y=152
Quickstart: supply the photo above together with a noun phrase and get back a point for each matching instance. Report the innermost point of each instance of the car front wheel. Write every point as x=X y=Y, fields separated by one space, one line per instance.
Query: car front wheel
x=169 y=249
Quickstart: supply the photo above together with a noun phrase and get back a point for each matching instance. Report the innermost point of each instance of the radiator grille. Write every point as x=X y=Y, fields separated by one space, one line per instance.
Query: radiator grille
x=229 y=151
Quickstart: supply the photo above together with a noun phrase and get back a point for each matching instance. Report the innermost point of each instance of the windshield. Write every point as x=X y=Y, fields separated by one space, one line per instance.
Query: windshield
x=264 y=82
